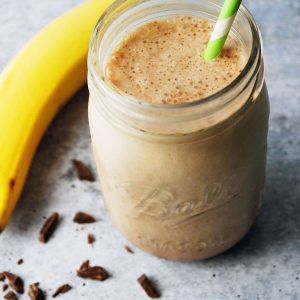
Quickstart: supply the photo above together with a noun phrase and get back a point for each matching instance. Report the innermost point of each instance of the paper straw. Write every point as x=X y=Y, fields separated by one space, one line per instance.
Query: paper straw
x=222 y=28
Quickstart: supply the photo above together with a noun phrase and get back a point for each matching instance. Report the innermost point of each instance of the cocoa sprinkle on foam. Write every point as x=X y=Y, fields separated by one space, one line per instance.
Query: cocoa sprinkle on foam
x=161 y=62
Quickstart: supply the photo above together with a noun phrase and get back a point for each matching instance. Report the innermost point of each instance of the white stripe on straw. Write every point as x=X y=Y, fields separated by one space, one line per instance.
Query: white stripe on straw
x=222 y=28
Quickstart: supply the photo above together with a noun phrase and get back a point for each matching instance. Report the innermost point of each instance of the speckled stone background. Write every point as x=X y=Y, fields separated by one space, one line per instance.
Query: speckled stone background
x=265 y=265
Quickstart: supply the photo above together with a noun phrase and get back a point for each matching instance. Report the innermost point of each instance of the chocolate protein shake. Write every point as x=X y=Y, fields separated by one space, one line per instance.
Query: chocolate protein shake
x=180 y=143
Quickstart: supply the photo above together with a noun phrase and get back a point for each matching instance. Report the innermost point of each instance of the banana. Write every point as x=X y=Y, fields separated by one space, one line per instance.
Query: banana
x=33 y=88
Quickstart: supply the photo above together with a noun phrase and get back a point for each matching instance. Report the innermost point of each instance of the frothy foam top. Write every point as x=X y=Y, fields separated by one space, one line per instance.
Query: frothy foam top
x=161 y=61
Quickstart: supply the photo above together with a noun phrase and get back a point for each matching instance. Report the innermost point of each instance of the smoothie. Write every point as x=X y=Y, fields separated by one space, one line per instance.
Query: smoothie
x=182 y=194
x=161 y=62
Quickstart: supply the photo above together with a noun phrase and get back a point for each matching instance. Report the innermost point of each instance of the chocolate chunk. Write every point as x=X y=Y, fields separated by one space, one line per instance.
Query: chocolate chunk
x=35 y=293
x=62 y=290
x=91 y=239
x=128 y=249
x=83 y=172
x=20 y=261
x=83 y=218
x=148 y=286
x=10 y=296
x=95 y=273
x=48 y=228
x=15 y=282
x=4 y=287
x=2 y=276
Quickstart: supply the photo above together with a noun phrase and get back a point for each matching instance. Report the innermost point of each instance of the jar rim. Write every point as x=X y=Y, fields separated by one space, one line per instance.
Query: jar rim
x=256 y=51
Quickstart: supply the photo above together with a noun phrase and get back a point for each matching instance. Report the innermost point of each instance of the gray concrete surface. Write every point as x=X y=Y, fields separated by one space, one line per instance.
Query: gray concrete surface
x=265 y=265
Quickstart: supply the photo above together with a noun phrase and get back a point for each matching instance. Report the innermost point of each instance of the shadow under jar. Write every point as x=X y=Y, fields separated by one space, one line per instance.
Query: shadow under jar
x=181 y=181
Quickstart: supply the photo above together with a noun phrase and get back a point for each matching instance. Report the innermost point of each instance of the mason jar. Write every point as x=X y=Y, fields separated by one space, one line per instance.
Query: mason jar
x=181 y=181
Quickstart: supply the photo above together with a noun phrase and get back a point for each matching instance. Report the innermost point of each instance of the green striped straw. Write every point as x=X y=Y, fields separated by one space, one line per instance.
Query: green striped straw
x=222 y=28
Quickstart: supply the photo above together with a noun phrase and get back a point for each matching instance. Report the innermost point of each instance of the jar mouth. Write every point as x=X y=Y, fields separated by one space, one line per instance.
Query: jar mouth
x=95 y=69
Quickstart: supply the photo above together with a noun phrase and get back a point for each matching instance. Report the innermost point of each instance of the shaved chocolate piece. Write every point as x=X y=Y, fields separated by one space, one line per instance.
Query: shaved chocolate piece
x=62 y=290
x=15 y=282
x=48 y=228
x=83 y=172
x=4 y=287
x=128 y=249
x=148 y=286
x=20 y=261
x=35 y=293
x=91 y=239
x=83 y=218
x=2 y=276
x=95 y=273
x=10 y=296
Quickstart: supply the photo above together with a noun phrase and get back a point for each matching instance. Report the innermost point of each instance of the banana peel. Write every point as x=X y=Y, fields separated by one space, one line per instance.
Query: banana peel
x=33 y=88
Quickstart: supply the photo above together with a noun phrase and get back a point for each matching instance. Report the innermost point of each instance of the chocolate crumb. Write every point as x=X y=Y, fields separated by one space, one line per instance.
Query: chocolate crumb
x=95 y=273
x=35 y=293
x=91 y=239
x=15 y=282
x=148 y=286
x=2 y=276
x=20 y=261
x=83 y=172
x=128 y=249
x=10 y=296
x=62 y=290
x=83 y=218
x=4 y=287
x=48 y=228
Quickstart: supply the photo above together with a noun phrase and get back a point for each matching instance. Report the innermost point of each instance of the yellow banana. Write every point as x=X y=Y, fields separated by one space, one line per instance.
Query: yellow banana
x=34 y=86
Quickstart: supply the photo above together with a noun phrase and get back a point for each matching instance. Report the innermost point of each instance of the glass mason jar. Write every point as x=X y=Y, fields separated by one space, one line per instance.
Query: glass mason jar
x=181 y=181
